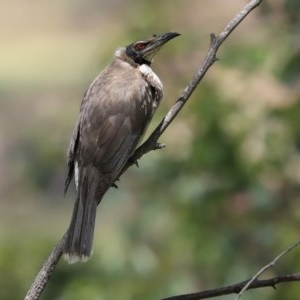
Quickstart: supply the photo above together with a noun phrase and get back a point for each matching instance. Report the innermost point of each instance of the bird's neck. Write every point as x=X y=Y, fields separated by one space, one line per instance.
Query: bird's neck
x=144 y=69
x=151 y=77
x=121 y=54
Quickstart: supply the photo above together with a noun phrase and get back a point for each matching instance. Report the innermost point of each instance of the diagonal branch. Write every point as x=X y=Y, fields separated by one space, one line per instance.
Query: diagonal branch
x=47 y=269
x=152 y=142
x=216 y=41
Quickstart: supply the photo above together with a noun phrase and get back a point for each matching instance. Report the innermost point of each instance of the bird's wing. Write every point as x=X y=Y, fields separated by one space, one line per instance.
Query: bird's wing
x=109 y=134
x=74 y=142
x=71 y=154
x=111 y=122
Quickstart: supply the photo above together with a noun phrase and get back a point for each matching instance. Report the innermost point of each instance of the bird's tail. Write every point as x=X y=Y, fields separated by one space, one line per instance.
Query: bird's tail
x=80 y=235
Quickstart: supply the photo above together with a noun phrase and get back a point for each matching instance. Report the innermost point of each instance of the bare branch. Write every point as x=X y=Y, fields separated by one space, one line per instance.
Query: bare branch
x=241 y=287
x=47 y=269
x=271 y=264
x=236 y=288
x=216 y=41
x=152 y=142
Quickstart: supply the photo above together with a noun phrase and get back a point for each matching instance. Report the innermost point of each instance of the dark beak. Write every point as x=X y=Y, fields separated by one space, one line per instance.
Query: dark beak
x=155 y=43
x=158 y=40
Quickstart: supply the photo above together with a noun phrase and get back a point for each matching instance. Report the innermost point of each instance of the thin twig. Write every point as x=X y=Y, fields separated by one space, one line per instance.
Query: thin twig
x=252 y=283
x=236 y=288
x=152 y=142
x=271 y=264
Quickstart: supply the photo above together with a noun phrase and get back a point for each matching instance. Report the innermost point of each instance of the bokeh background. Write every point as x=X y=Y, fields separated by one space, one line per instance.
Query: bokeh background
x=218 y=203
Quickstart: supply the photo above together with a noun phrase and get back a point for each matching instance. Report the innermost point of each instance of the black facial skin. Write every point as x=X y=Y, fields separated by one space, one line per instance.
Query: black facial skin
x=136 y=55
x=142 y=51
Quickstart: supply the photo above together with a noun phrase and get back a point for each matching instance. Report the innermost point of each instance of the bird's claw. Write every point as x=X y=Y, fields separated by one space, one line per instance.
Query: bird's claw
x=114 y=185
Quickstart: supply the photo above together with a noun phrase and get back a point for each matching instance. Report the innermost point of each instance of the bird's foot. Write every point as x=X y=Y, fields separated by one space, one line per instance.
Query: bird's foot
x=114 y=186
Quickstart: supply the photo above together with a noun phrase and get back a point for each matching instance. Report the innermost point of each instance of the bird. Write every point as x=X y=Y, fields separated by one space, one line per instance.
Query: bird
x=114 y=114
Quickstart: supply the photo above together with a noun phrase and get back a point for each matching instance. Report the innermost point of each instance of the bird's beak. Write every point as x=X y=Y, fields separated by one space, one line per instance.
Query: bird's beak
x=155 y=43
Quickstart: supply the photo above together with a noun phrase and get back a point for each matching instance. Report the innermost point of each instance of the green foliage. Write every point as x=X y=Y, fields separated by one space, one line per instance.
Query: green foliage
x=290 y=73
x=256 y=56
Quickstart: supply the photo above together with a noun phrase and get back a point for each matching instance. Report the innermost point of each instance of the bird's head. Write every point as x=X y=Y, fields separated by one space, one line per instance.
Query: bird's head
x=142 y=52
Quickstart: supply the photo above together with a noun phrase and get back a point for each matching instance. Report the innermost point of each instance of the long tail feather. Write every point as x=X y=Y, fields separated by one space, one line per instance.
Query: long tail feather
x=79 y=243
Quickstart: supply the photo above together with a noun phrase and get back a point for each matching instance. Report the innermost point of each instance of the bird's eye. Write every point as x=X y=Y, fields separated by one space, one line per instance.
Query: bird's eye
x=139 y=46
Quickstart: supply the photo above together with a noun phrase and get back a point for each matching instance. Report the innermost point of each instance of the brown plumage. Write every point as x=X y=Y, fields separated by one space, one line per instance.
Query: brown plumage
x=114 y=114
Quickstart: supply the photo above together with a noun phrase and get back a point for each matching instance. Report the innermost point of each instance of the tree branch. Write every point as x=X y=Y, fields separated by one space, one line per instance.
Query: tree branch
x=271 y=264
x=152 y=142
x=252 y=283
x=47 y=269
x=236 y=288
x=215 y=42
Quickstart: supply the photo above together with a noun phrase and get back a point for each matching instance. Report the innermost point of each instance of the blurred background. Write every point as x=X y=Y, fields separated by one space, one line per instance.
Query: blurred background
x=218 y=203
